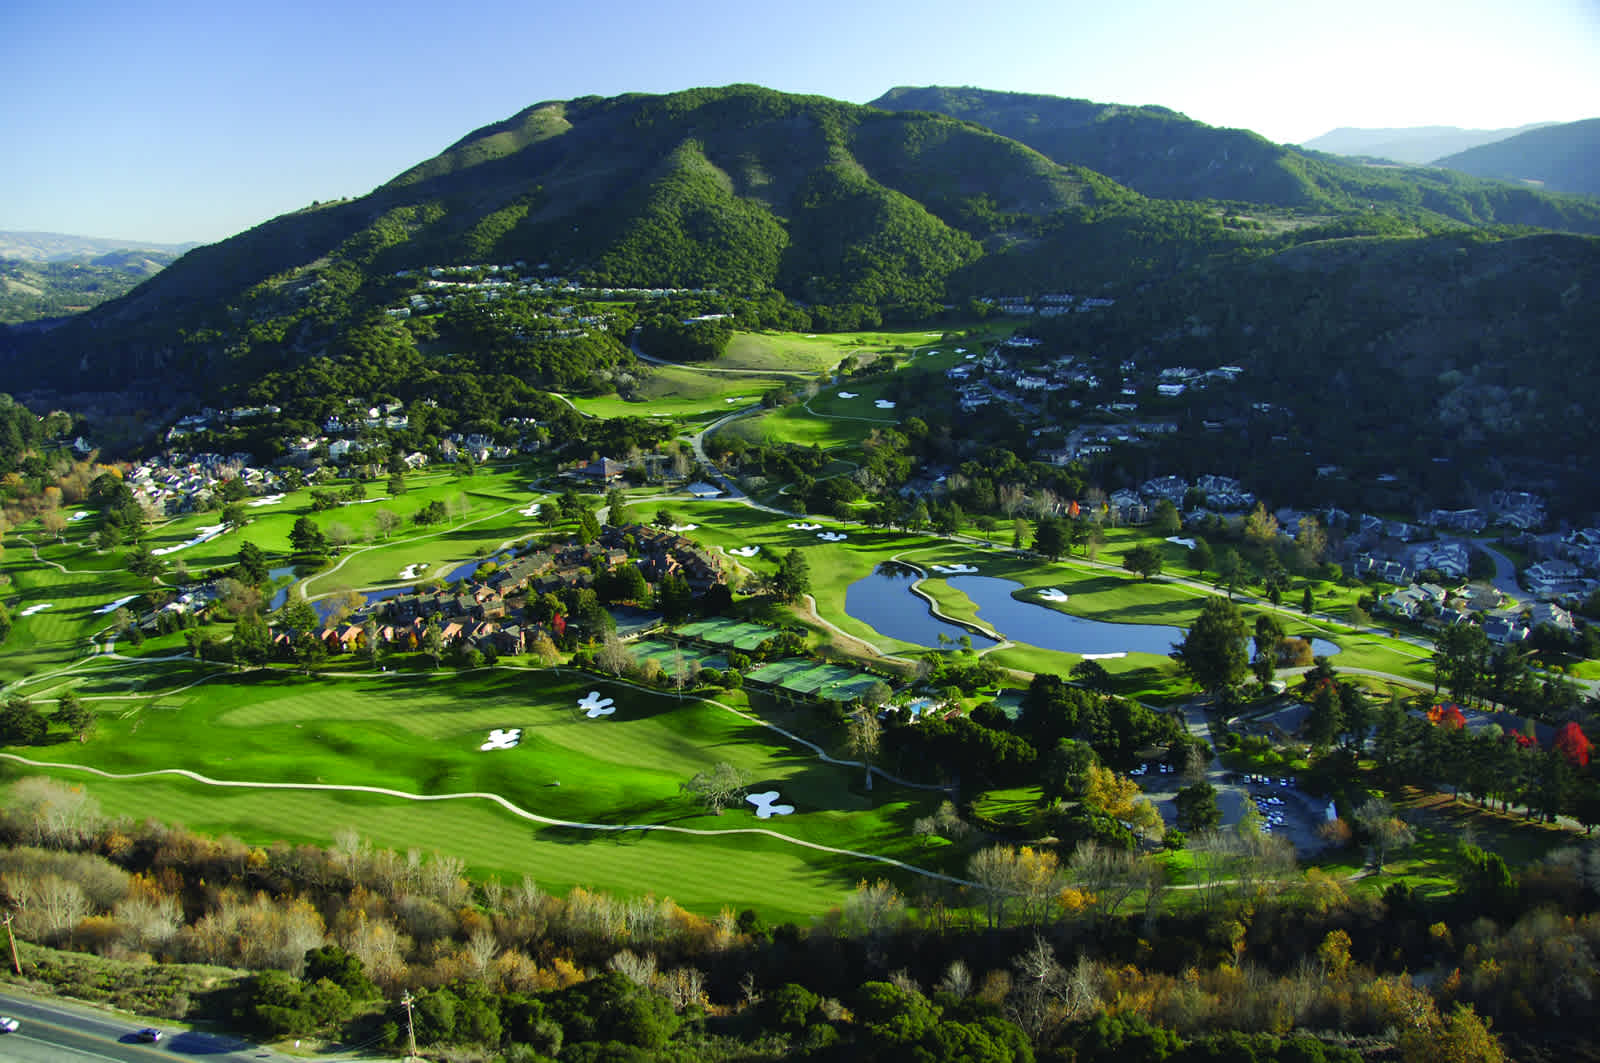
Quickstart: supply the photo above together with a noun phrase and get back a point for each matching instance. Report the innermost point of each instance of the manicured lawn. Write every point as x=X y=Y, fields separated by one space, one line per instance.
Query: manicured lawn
x=423 y=736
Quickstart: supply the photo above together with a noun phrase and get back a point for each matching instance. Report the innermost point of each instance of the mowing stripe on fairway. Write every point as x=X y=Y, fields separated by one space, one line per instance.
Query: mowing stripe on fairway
x=521 y=813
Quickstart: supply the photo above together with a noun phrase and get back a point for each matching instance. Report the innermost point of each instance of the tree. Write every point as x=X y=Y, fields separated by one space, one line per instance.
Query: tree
x=5 y=622
x=234 y=516
x=863 y=734
x=1229 y=569
x=1385 y=830
x=1261 y=527
x=432 y=644
x=1573 y=744
x=1197 y=808
x=793 y=578
x=588 y=527
x=1212 y=652
x=1143 y=559
x=617 y=511
x=306 y=538
x=1165 y=520
x=298 y=615
x=397 y=484
x=1050 y=538
x=72 y=714
x=252 y=564
x=252 y=640
x=54 y=523
x=309 y=651
x=20 y=723
x=1066 y=770
x=718 y=788
x=1269 y=637
x=1307 y=602
x=1200 y=556
x=386 y=520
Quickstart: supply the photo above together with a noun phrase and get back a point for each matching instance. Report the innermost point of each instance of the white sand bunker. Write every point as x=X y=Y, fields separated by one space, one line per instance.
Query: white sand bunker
x=82 y=514
x=745 y=551
x=683 y=527
x=970 y=357
x=593 y=705
x=849 y=394
x=413 y=571
x=800 y=525
x=502 y=738
x=961 y=350
x=832 y=537
x=203 y=535
x=1054 y=594
x=265 y=500
x=530 y=510
x=37 y=608
x=1104 y=656
x=954 y=570
x=765 y=809
x=884 y=404
x=114 y=606
x=1186 y=543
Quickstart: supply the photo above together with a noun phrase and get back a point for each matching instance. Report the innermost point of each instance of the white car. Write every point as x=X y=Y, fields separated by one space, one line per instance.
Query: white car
x=8 y=1024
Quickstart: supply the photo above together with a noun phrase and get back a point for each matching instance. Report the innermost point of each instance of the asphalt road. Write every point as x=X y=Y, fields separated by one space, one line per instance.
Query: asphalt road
x=63 y=1033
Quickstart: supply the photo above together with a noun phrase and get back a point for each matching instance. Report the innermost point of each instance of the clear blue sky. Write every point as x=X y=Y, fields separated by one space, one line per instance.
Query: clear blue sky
x=170 y=121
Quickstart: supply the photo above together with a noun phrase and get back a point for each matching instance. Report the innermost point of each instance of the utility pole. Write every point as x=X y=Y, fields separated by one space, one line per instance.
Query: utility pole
x=16 y=964
x=407 y=1000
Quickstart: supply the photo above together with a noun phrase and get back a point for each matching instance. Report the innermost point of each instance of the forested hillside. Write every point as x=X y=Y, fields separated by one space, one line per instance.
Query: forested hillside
x=1162 y=153
x=1563 y=158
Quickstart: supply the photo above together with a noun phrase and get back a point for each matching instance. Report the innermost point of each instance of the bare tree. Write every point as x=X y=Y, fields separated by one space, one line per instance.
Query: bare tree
x=718 y=788
x=614 y=656
x=862 y=735
x=386 y=521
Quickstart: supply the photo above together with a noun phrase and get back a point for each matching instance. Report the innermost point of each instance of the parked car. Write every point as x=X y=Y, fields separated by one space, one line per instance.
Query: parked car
x=8 y=1024
x=149 y=1035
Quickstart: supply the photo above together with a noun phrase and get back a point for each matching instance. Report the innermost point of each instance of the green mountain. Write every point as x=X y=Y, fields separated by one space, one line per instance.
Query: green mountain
x=1415 y=145
x=1164 y=154
x=739 y=189
x=796 y=211
x=1561 y=158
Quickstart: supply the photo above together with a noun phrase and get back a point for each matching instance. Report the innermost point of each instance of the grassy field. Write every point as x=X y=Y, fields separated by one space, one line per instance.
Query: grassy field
x=423 y=736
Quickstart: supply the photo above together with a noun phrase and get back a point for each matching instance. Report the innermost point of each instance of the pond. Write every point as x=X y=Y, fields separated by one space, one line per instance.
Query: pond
x=324 y=606
x=884 y=602
x=470 y=569
x=886 y=599
x=280 y=595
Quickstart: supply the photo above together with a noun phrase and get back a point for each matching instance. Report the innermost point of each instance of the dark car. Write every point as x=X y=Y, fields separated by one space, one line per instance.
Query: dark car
x=149 y=1035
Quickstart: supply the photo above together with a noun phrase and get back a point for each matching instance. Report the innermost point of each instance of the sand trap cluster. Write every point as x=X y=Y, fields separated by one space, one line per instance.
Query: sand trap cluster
x=594 y=706
x=884 y=404
x=683 y=527
x=413 y=571
x=265 y=500
x=530 y=510
x=765 y=809
x=832 y=537
x=954 y=570
x=800 y=525
x=37 y=608
x=1054 y=594
x=745 y=551
x=502 y=738
x=204 y=535
x=114 y=606
x=849 y=394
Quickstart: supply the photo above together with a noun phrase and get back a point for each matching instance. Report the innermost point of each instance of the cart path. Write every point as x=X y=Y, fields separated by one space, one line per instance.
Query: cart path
x=475 y=795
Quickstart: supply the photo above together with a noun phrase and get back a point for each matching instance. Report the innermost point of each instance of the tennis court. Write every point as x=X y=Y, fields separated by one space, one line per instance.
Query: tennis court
x=664 y=653
x=739 y=634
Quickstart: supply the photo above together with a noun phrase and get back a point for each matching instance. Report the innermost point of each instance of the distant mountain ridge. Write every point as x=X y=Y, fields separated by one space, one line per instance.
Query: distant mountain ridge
x=60 y=247
x=1164 y=154
x=1416 y=145
x=1560 y=158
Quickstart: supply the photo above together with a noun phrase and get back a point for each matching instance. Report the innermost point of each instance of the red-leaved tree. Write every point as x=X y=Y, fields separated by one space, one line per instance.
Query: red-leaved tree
x=1573 y=744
